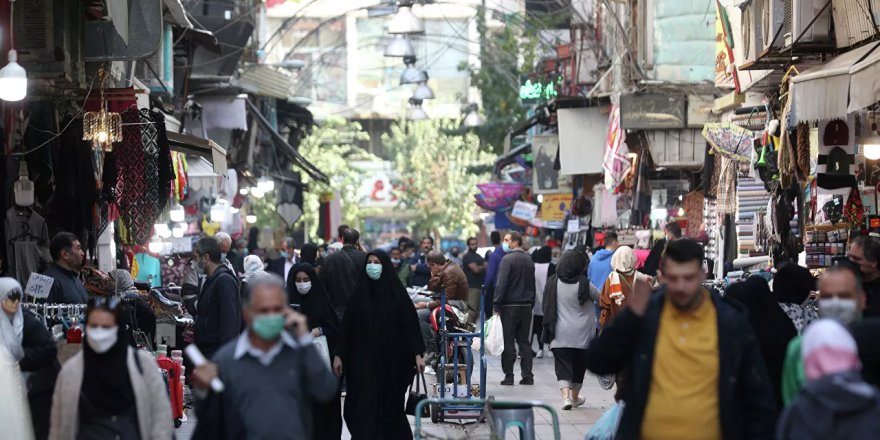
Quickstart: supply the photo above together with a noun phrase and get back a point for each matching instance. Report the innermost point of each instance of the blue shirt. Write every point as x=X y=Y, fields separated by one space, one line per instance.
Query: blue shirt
x=494 y=264
x=600 y=268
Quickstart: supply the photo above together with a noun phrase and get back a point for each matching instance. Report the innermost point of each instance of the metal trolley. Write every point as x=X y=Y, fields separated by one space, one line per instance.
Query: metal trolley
x=501 y=416
x=467 y=407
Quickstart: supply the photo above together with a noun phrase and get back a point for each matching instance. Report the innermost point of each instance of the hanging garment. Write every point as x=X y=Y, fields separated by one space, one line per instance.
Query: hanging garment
x=693 y=209
x=76 y=189
x=165 y=165
x=27 y=243
x=615 y=163
x=148 y=269
x=604 y=207
x=727 y=187
x=137 y=187
x=803 y=150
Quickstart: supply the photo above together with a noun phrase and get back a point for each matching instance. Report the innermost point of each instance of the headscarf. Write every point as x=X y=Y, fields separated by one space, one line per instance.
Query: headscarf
x=623 y=261
x=792 y=284
x=123 y=282
x=309 y=253
x=828 y=348
x=543 y=255
x=106 y=383
x=252 y=265
x=571 y=267
x=12 y=328
x=315 y=304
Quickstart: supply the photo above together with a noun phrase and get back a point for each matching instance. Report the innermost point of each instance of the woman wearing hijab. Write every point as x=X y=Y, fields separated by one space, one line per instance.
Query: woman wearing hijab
x=253 y=264
x=136 y=311
x=618 y=286
x=15 y=416
x=544 y=268
x=774 y=330
x=309 y=254
x=379 y=350
x=570 y=323
x=315 y=304
x=791 y=288
x=110 y=390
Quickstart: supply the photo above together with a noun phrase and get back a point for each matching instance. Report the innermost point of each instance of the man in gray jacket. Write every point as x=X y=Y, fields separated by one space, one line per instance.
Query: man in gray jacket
x=514 y=298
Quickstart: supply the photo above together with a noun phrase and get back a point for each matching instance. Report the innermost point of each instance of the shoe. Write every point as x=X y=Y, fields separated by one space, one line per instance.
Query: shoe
x=527 y=381
x=507 y=380
x=579 y=402
x=567 y=404
x=540 y=354
x=534 y=354
x=429 y=370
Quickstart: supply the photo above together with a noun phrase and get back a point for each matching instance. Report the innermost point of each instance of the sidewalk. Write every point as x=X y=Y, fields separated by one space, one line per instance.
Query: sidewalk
x=574 y=424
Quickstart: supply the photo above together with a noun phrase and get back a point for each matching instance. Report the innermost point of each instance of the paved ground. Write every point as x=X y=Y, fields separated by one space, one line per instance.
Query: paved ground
x=574 y=424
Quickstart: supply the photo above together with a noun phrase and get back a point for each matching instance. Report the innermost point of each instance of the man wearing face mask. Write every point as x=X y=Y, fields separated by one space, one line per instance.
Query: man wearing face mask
x=841 y=298
x=865 y=253
x=218 y=320
x=274 y=362
x=281 y=266
x=402 y=269
x=225 y=242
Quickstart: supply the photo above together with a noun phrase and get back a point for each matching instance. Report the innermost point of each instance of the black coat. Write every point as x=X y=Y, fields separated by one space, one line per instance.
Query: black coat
x=41 y=360
x=276 y=266
x=219 y=305
x=745 y=395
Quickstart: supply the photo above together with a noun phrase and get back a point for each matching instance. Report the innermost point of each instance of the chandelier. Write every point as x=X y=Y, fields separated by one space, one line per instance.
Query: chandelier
x=102 y=127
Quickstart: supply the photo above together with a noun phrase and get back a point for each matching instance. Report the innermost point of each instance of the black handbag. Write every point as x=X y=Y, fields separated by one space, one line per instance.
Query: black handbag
x=414 y=397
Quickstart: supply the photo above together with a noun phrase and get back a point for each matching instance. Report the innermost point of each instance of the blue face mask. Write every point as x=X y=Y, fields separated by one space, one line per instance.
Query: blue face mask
x=284 y=254
x=374 y=271
x=269 y=326
x=505 y=247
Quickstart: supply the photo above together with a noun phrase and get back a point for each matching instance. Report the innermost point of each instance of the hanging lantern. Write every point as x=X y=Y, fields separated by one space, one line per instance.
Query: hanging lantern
x=102 y=127
x=176 y=213
x=219 y=211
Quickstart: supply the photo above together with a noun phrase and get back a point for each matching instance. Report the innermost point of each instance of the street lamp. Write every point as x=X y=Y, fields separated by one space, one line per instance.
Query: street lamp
x=400 y=46
x=404 y=21
x=410 y=74
x=472 y=117
x=423 y=91
x=415 y=111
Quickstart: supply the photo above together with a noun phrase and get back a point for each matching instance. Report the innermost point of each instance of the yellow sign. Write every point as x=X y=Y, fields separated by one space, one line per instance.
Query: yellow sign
x=555 y=207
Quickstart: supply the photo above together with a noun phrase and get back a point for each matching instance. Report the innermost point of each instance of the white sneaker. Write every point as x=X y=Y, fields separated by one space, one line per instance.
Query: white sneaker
x=579 y=402
x=429 y=370
x=567 y=404
x=540 y=354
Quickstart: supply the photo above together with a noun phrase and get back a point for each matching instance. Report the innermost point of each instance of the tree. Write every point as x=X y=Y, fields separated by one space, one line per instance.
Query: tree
x=331 y=148
x=439 y=173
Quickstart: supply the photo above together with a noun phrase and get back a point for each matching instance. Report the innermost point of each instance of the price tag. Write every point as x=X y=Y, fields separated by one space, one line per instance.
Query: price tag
x=574 y=225
x=39 y=286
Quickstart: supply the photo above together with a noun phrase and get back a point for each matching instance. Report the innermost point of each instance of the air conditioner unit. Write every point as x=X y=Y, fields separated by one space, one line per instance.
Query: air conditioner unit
x=802 y=13
x=752 y=37
x=772 y=22
x=48 y=34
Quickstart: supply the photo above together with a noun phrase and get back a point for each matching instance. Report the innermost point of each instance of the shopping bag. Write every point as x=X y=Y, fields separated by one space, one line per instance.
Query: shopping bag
x=323 y=349
x=494 y=338
x=414 y=397
x=606 y=427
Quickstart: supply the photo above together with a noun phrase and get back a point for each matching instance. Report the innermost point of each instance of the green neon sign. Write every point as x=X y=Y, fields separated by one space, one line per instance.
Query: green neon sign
x=536 y=91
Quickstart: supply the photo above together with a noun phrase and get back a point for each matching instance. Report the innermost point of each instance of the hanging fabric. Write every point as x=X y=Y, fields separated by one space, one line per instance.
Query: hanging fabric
x=615 y=163
x=138 y=185
x=727 y=186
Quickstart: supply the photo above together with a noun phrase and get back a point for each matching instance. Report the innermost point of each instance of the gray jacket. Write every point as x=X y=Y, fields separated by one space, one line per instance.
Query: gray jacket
x=150 y=393
x=516 y=280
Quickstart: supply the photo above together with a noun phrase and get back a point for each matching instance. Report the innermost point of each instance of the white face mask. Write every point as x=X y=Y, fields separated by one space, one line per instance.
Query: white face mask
x=844 y=311
x=101 y=339
x=304 y=288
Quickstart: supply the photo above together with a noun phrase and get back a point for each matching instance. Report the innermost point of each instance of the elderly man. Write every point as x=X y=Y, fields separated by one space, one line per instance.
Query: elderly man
x=225 y=242
x=447 y=277
x=272 y=373
x=281 y=266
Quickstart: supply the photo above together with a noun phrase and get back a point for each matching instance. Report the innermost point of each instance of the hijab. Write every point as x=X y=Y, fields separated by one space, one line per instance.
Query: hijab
x=623 y=261
x=543 y=255
x=309 y=253
x=315 y=303
x=252 y=265
x=106 y=383
x=828 y=348
x=123 y=282
x=571 y=267
x=12 y=328
x=792 y=284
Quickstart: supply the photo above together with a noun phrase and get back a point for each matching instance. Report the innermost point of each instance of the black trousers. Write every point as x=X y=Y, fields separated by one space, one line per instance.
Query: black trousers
x=537 y=327
x=571 y=366
x=517 y=323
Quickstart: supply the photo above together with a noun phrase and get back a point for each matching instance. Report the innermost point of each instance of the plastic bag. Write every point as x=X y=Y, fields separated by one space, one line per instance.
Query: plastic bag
x=606 y=427
x=494 y=336
x=323 y=349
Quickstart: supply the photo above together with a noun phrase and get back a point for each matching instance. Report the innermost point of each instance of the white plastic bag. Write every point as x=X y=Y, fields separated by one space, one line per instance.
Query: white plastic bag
x=323 y=349
x=494 y=336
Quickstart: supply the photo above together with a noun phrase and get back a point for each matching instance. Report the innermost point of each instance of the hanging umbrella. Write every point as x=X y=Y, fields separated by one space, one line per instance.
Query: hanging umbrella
x=730 y=140
x=496 y=195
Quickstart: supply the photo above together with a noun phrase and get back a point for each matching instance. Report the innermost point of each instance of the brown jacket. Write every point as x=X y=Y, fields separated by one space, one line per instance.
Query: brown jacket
x=452 y=280
x=609 y=308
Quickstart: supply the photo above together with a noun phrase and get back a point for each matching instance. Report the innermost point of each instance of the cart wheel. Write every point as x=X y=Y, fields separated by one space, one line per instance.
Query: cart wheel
x=436 y=414
x=178 y=423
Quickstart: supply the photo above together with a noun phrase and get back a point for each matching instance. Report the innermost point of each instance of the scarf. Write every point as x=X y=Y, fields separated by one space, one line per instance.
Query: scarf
x=252 y=265
x=623 y=262
x=12 y=328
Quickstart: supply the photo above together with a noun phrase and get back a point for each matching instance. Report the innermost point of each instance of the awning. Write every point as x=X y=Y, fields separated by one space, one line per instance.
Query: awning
x=285 y=148
x=822 y=92
x=189 y=144
x=176 y=14
x=267 y=81
x=864 y=82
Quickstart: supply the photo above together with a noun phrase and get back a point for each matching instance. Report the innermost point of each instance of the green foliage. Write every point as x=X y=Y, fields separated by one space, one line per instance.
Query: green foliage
x=331 y=148
x=435 y=169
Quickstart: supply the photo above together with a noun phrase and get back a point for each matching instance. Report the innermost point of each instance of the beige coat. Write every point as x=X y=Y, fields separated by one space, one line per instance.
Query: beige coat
x=151 y=398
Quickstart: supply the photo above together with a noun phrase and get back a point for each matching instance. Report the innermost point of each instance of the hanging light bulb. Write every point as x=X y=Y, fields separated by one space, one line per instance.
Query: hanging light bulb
x=176 y=213
x=423 y=91
x=156 y=245
x=410 y=74
x=251 y=218
x=219 y=210
x=871 y=145
x=102 y=127
x=179 y=230
x=13 y=80
x=680 y=212
x=472 y=117
x=266 y=184
x=257 y=192
x=404 y=21
x=400 y=46
x=162 y=230
x=243 y=191
x=415 y=111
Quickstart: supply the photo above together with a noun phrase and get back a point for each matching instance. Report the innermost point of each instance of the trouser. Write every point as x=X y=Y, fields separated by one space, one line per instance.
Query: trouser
x=537 y=328
x=428 y=333
x=571 y=367
x=473 y=304
x=516 y=321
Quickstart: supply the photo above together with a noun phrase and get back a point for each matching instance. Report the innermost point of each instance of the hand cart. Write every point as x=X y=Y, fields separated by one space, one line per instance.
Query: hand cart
x=500 y=414
x=460 y=342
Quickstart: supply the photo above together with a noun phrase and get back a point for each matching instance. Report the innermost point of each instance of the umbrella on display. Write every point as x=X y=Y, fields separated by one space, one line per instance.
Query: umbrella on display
x=730 y=140
x=496 y=195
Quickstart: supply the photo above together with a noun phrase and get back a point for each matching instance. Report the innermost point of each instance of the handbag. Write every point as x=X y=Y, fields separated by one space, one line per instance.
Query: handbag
x=414 y=397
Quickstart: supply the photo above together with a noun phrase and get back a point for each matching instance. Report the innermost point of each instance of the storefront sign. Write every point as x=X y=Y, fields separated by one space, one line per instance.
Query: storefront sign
x=39 y=286
x=524 y=210
x=545 y=179
x=555 y=207
x=539 y=90
x=377 y=189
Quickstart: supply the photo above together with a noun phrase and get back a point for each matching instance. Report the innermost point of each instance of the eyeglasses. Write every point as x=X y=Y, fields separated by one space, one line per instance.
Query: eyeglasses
x=110 y=302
